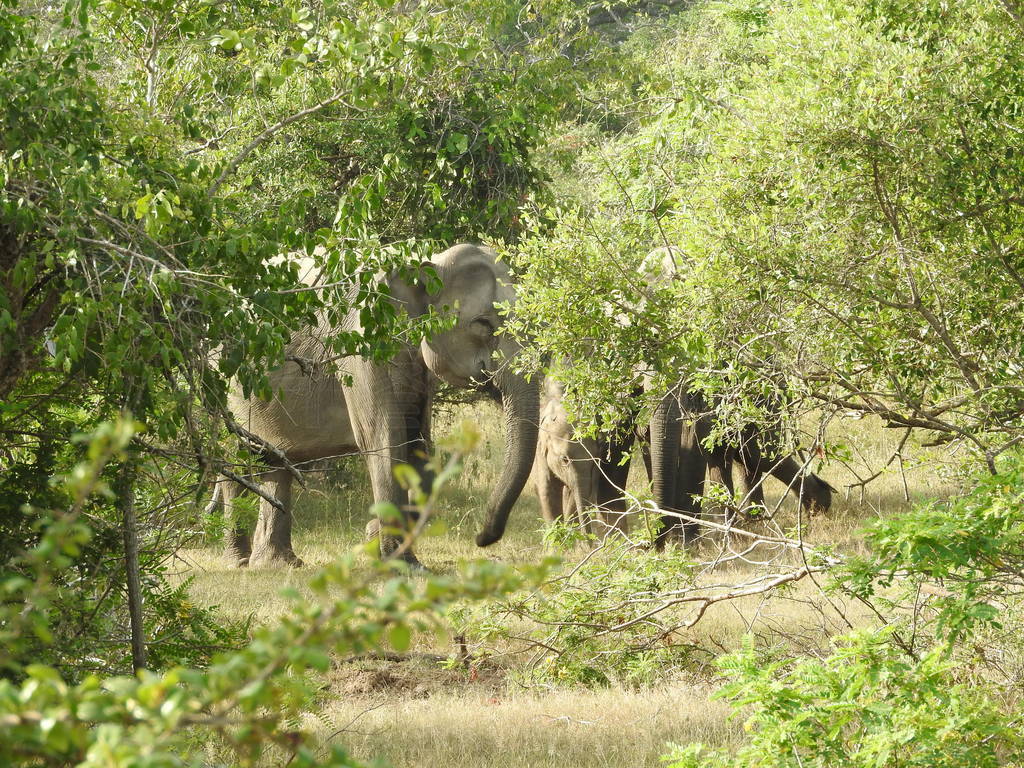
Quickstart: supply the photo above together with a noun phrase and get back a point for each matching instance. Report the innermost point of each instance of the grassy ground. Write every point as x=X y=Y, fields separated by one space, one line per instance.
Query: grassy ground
x=415 y=713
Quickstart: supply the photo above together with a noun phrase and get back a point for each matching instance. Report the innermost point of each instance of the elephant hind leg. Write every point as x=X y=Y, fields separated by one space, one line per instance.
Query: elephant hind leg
x=272 y=539
x=751 y=492
x=752 y=470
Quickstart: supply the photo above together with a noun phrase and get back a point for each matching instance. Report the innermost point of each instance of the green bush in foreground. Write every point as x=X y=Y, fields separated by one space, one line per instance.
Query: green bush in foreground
x=247 y=703
x=917 y=692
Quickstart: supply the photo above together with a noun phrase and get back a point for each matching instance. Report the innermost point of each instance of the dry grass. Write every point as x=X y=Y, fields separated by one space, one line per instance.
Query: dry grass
x=564 y=728
x=415 y=714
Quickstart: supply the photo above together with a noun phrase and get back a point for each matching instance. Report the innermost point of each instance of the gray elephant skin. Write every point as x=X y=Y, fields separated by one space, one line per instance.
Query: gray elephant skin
x=678 y=461
x=383 y=411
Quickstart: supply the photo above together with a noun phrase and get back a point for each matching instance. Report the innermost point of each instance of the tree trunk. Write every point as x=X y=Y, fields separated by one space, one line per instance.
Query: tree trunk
x=129 y=529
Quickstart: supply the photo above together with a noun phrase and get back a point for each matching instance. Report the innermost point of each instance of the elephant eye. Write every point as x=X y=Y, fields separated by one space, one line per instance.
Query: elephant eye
x=485 y=324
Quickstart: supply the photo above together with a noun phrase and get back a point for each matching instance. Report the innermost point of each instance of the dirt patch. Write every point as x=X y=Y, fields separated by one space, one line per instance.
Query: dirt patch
x=413 y=677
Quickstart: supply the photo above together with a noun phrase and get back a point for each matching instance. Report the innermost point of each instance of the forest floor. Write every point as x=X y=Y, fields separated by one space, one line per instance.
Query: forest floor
x=418 y=712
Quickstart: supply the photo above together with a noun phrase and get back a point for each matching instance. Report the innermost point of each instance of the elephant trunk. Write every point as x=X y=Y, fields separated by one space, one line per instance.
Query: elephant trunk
x=520 y=400
x=666 y=436
x=579 y=495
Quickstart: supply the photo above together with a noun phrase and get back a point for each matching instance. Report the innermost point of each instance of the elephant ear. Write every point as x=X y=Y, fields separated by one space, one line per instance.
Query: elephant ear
x=415 y=289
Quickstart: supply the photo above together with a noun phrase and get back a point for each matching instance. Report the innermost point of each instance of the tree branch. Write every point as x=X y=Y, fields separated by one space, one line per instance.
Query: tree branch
x=267 y=133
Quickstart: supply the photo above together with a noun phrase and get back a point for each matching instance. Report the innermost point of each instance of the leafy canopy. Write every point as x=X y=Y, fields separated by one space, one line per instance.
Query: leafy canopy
x=840 y=182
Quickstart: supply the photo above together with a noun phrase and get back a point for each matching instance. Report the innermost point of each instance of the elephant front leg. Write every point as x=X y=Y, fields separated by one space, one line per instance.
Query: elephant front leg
x=549 y=493
x=393 y=533
x=666 y=434
x=237 y=546
x=272 y=539
x=387 y=410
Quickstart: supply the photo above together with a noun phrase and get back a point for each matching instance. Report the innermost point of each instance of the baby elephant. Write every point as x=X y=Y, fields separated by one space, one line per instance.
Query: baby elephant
x=574 y=474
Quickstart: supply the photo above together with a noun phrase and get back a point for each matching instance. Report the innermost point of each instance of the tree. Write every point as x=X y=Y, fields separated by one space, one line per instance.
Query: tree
x=840 y=181
x=160 y=157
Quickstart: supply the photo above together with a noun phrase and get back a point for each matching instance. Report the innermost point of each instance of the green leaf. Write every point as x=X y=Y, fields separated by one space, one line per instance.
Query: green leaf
x=400 y=637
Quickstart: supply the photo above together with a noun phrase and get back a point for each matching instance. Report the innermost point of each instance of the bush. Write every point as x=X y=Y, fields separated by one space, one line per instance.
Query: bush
x=923 y=690
x=250 y=701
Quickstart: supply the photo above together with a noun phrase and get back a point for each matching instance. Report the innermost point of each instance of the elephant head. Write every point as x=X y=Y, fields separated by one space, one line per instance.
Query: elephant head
x=472 y=281
x=813 y=492
x=473 y=354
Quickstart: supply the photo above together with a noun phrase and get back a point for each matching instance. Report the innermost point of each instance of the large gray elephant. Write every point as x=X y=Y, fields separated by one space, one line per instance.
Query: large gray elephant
x=575 y=473
x=383 y=410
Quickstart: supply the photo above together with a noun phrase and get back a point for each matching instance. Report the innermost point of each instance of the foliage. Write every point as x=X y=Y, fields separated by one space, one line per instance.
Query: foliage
x=971 y=547
x=156 y=159
x=594 y=621
x=865 y=705
x=838 y=179
x=251 y=699
x=73 y=625
x=920 y=690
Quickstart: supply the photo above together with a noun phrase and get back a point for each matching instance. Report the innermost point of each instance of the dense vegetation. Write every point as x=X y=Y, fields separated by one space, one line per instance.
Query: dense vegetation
x=156 y=157
x=839 y=182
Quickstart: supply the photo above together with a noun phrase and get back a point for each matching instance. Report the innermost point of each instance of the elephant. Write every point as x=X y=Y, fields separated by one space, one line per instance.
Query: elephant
x=383 y=409
x=679 y=462
x=757 y=456
x=573 y=473
x=680 y=466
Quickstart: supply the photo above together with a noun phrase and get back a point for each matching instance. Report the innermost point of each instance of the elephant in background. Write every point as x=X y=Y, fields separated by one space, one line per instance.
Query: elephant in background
x=757 y=456
x=683 y=421
x=573 y=474
x=383 y=411
x=679 y=462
